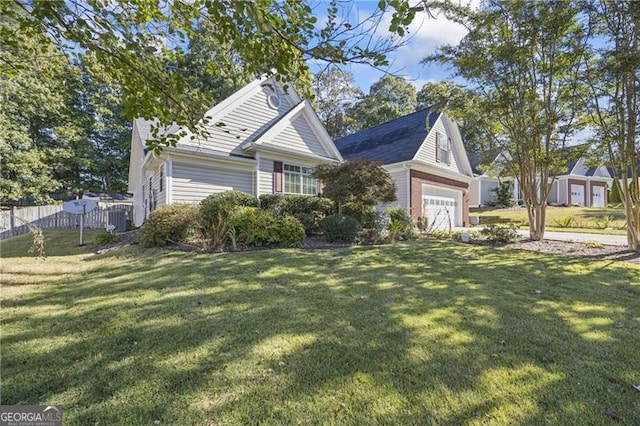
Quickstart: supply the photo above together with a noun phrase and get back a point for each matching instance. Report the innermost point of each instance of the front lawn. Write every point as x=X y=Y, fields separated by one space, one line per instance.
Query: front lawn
x=583 y=219
x=425 y=332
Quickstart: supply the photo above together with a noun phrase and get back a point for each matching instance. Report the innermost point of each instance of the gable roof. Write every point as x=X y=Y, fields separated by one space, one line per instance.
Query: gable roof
x=392 y=142
x=486 y=158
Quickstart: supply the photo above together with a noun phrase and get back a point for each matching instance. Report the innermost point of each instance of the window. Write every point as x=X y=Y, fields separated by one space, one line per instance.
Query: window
x=443 y=148
x=162 y=178
x=299 y=180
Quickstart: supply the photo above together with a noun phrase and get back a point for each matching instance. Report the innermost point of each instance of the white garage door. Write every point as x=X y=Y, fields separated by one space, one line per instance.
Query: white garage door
x=441 y=207
x=598 y=196
x=577 y=195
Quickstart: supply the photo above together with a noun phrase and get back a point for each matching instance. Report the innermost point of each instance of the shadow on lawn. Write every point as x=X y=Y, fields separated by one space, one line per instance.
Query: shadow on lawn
x=407 y=334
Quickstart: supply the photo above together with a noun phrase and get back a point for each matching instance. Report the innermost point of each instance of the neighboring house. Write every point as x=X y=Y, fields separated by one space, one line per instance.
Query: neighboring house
x=261 y=140
x=580 y=184
x=482 y=189
x=424 y=154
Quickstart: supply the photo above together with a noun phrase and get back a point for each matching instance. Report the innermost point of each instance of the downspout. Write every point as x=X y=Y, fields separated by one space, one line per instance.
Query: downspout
x=168 y=173
x=257 y=175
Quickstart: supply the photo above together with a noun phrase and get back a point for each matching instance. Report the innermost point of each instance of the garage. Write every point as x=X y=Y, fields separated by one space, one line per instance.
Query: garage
x=577 y=195
x=441 y=207
x=598 y=198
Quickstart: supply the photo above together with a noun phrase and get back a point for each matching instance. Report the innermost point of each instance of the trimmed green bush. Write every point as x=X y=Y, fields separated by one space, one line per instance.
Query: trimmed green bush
x=308 y=210
x=291 y=233
x=217 y=211
x=168 y=225
x=342 y=228
x=500 y=233
x=255 y=227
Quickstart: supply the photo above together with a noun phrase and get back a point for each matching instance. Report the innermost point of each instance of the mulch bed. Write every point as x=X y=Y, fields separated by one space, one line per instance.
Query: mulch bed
x=576 y=249
x=564 y=248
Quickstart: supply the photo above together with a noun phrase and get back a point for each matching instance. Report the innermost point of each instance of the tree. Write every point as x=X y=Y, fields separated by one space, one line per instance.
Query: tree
x=108 y=134
x=462 y=105
x=139 y=43
x=615 y=100
x=389 y=98
x=35 y=133
x=334 y=96
x=356 y=184
x=525 y=61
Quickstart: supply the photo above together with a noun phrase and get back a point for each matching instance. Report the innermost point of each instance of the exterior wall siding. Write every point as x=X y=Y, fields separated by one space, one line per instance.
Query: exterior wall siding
x=553 y=193
x=192 y=182
x=266 y=175
x=242 y=123
x=299 y=136
x=487 y=193
x=427 y=152
x=400 y=180
x=562 y=192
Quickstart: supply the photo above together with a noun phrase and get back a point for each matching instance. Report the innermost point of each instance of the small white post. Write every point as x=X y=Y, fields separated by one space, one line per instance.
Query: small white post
x=82 y=225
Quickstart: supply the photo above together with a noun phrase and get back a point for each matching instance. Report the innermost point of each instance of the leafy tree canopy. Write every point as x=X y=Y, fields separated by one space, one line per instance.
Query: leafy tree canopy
x=139 y=43
x=359 y=183
x=334 y=96
x=389 y=98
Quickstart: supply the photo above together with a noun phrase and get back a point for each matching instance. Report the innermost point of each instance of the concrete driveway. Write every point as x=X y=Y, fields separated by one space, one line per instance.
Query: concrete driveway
x=606 y=239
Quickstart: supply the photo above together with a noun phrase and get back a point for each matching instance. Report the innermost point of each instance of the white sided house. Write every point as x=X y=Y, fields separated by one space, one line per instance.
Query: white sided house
x=580 y=184
x=261 y=140
x=424 y=154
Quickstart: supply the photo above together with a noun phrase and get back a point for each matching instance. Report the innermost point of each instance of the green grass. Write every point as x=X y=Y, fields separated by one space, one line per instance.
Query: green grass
x=56 y=243
x=425 y=332
x=585 y=219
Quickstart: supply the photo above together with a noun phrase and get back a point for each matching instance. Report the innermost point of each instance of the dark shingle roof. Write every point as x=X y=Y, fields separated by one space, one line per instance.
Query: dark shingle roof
x=391 y=142
x=485 y=158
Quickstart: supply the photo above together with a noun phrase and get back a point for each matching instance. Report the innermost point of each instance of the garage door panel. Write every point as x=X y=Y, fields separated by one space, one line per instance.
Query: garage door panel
x=441 y=207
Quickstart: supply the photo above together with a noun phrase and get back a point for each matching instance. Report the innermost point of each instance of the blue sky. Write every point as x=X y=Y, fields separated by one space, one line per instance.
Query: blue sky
x=426 y=34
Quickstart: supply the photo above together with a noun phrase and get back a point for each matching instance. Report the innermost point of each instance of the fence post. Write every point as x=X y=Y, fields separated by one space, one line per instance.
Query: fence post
x=12 y=223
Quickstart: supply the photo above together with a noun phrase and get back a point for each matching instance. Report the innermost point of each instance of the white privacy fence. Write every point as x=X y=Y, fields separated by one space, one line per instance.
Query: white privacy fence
x=14 y=222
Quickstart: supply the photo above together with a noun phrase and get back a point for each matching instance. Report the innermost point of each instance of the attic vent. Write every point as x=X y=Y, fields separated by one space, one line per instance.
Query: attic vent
x=273 y=101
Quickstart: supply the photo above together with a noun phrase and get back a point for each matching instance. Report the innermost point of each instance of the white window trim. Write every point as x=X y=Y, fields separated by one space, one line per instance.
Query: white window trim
x=301 y=176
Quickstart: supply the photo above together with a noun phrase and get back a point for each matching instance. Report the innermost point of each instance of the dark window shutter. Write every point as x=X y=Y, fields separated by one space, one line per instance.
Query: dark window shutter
x=449 y=151
x=277 y=177
x=438 y=147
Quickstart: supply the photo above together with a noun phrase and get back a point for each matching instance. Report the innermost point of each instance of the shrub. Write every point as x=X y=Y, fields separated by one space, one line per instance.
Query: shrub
x=216 y=213
x=339 y=227
x=375 y=227
x=270 y=201
x=104 y=237
x=500 y=233
x=503 y=195
x=255 y=227
x=290 y=231
x=308 y=210
x=594 y=244
x=169 y=225
x=564 y=222
x=604 y=222
x=401 y=225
